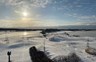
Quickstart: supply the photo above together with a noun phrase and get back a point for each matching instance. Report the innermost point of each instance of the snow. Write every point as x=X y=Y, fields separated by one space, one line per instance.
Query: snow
x=57 y=44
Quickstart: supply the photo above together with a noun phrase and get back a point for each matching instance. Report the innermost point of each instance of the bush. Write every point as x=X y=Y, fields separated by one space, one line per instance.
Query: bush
x=38 y=56
x=70 y=58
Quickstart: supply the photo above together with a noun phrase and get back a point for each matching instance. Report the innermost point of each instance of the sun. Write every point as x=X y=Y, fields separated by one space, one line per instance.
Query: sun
x=25 y=14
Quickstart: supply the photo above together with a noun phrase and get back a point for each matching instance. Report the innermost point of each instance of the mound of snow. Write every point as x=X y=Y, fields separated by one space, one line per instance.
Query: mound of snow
x=56 y=39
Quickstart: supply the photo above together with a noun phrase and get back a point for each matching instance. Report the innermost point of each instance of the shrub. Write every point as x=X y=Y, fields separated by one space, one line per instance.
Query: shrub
x=70 y=58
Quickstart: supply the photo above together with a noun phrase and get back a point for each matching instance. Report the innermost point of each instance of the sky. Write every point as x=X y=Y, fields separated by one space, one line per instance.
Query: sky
x=30 y=13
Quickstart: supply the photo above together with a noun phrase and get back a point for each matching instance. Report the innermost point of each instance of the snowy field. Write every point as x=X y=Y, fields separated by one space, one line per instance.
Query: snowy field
x=57 y=44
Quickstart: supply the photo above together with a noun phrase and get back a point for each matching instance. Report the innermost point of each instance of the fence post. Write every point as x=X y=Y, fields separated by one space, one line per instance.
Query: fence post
x=9 y=54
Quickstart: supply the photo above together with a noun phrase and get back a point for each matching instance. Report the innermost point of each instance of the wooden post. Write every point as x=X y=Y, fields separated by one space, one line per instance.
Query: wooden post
x=87 y=43
x=9 y=53
x=44 y=35
x=44 y=45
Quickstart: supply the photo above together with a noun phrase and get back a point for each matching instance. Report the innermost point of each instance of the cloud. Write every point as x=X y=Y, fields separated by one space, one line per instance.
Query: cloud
x=87 y=17
x=32 y=3
x=19 y=23
x=26 y=23
x=88 y=23
x=91 y=23
x=79 y=17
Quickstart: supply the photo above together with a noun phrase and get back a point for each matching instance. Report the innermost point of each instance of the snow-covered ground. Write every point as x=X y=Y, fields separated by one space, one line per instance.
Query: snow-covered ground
x=57 y=44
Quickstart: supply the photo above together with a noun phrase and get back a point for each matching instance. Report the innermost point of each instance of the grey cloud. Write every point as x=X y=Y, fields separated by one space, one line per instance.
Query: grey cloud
x=33 y=3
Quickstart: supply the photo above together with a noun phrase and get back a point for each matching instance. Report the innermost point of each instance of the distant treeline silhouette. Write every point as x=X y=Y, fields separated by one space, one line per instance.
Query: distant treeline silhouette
x=48 y=30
